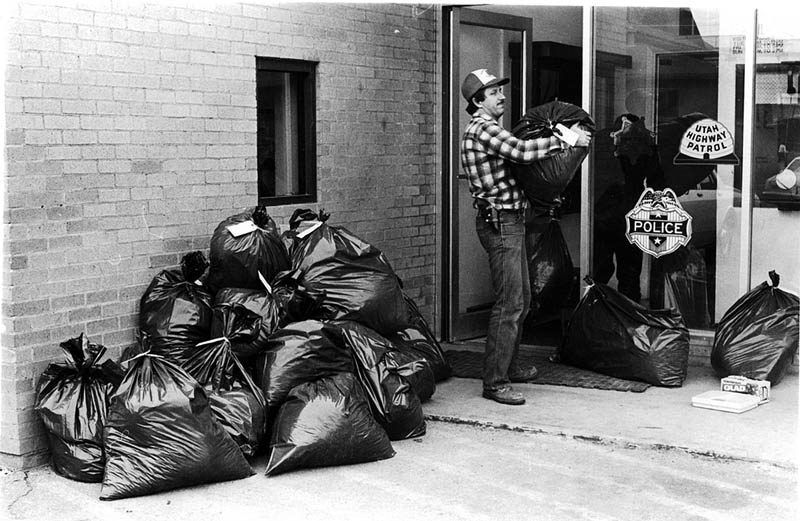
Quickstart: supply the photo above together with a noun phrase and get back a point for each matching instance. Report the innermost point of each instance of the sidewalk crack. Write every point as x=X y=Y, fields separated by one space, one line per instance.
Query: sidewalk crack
x=29 y=489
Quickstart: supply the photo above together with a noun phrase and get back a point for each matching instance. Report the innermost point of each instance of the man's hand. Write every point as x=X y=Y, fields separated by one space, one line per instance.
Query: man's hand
x=584 y=136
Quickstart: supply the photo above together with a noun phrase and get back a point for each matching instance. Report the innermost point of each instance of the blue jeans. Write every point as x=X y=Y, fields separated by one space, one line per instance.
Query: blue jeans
x=508 y=263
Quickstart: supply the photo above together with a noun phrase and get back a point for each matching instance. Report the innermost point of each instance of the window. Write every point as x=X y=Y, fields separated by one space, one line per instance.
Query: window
x=668 y=85
x=686 y=23
x=775 y=171
x=286 y=111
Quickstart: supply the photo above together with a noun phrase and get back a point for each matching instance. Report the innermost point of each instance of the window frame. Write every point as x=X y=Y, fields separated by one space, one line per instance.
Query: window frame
x=307 y=125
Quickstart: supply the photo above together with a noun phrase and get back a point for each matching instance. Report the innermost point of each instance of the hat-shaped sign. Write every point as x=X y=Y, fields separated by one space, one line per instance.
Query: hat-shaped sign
x=706 y=141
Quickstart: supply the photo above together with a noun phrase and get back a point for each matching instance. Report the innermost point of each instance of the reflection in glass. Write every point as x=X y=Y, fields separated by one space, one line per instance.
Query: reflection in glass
x=658 y=72
x=776 y=137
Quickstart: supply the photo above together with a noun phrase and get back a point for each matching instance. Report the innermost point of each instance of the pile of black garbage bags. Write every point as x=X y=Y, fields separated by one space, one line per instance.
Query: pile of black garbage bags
x=757 y=337
x=299 y=345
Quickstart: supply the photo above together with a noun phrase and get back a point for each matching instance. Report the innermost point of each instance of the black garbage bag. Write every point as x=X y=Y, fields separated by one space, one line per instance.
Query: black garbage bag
x=161 y=434
x=236 y=401
x=242 y=413
x=415 y=369
x=300 y=353
x=357 y=279
x=323 y=423
x=241 y=326
x=687 y=286
x=306 y=216
x=610 y=334
x=544 y=181
x=418 y=339
x=295 y=301
x=758 y=335
x=194 y=266
x=72 y=401
x=393 y=401
x=551 y=271
x=175 y=312
x=244 y=248
x=261 y=302
x=301 y=220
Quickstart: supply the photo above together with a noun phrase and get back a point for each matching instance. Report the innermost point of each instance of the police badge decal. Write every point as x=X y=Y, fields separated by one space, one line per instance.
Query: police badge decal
x=658 y=224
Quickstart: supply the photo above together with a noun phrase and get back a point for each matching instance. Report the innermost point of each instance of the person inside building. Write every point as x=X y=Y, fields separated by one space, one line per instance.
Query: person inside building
x=486 y=150
x=635 y=151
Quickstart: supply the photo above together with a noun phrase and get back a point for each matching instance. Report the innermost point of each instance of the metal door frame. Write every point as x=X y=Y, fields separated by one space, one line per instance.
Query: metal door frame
x=452 y=18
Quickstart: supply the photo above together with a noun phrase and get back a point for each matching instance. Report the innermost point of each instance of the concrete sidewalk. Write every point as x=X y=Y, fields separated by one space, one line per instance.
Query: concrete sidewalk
x=658 y=418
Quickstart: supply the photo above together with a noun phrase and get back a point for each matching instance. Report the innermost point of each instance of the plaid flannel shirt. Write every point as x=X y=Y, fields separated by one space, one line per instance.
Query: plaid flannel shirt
x=485 y=149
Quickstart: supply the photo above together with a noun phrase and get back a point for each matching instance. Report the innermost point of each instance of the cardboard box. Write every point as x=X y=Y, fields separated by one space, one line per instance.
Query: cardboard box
x=740 y=384
x=725 y=401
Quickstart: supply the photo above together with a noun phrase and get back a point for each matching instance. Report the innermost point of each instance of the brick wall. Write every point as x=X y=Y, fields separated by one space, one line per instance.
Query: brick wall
x=130 y=134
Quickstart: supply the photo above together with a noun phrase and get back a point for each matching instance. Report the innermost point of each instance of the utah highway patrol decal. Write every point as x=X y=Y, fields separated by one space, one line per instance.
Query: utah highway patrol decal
x=706 y=142
x=658 y=224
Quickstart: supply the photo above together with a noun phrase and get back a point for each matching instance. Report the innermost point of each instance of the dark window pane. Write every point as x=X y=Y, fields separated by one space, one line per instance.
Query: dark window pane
x=285 y=143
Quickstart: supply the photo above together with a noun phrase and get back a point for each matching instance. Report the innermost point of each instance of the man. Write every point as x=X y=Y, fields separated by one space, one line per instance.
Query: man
x=486 y=149
x=635 y=151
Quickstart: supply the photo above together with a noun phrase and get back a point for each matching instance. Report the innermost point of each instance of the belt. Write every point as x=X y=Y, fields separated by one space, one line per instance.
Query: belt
x=492 y=216
x=481 y=206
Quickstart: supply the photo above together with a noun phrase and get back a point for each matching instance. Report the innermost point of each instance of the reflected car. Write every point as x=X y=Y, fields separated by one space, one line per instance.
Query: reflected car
x=783 y=189
x=701 y=203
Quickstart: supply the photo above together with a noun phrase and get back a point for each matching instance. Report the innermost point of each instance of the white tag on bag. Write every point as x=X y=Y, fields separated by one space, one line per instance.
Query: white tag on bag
x=242 y=228
x=567 y=135
x=309 y=229
x=265 y=283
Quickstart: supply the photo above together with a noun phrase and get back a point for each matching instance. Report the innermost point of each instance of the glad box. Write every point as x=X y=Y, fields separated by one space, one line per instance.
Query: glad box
x=725 y=401
x=740 y=384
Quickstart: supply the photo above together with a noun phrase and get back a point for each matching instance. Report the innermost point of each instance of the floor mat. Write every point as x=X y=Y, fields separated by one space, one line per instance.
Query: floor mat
x=469 y=364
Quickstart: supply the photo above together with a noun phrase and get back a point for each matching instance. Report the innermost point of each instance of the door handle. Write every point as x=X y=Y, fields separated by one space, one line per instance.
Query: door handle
x=462 y=176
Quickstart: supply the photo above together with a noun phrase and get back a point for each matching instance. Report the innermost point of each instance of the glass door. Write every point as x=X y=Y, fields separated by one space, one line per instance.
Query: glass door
x=474 y=39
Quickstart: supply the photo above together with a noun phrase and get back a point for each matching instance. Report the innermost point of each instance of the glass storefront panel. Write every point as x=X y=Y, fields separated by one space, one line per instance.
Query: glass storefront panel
x=669 y=115
x=776 y=151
